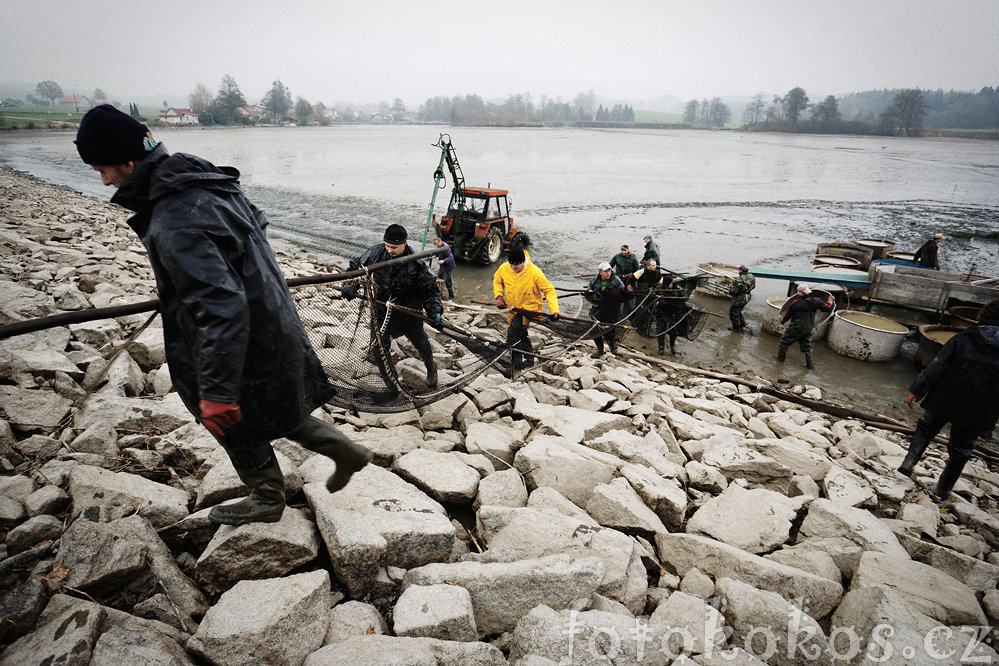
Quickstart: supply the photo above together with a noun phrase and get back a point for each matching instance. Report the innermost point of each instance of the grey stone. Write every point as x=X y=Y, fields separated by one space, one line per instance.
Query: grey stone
x=388 y=444
x=378 y=520
x=703 y=477
x=528 y=532
x=257 y=550
x=699 y=626
x=697 y=583
x=99 y=494
x=17 y=487
x=619 y=506
x=46 y=500
x=39 y=447
x=735 y=656
x=20 y=606
x=754 y=467
x=588 y=638
x=504 y=488
x=848 y=489
x=352 y=619
x=549 y=499
x=572 y=423
x=771 y=627
x=664 y=496
x=409 y=651
x=442 y=476
x=930 y=591
x=682 y=552
x=32 y=532
x=68 y=639
x=795 y=454
x=977 y=574
x=435 y=611
x=503 y=592
x=102 y=558
x=815 y=561
x=100 y=438
x=134 y=414
x=496 y=441
x=756 y=521
x=119 y=646
x=277 y=621
x=570 y=468
x=11 y=512
x=826 y=518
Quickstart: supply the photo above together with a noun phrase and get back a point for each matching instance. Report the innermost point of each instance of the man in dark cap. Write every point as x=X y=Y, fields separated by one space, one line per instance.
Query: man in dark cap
x=606 y=292
x=236 y=348
x=651 y=251
x=518 y=283
x=928 y=255
x=960 y=387
x=410 y=285
x=741 y=292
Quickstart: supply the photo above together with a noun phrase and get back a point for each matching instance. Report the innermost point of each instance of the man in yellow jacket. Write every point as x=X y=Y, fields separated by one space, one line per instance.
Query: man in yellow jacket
x=518 y=283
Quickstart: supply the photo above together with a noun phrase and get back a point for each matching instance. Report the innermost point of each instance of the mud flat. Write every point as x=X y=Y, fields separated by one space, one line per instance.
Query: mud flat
x=538 y=520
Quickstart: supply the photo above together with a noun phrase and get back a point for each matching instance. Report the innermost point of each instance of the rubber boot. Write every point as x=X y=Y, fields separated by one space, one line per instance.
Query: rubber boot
x=781 y=354
x=322 y=438
x=916 y=449
x=662 y=345
x=600 y=348
x=264 y=504
x=427 y=354
x=950 y=475
x=808 y=360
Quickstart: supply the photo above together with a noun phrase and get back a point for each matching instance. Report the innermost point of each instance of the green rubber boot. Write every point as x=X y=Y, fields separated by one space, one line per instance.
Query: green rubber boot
x=264 y=504
x=321 y=437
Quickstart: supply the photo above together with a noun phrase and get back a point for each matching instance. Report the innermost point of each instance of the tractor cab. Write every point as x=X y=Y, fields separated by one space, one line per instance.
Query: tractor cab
x=477 y=224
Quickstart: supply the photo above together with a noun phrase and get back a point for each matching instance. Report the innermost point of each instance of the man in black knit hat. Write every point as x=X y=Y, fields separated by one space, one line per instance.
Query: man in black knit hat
x=236 y=348
x=410 y=285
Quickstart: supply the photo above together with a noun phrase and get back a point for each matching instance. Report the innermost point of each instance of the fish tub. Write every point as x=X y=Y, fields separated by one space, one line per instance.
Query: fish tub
x=902 y=256
x=840 y=261
x=879 y=247
x=865 y=336
x=775 y=310
x=863 y=254
x=961 y=315
x=932 y=338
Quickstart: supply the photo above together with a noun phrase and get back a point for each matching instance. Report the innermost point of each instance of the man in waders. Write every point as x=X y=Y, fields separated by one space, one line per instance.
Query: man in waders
x=605 y=291
x=741 y=292
x=518 y=283
x=410 y=285
x=799 y=316
x=960 y=387
x=927 y=255
x=651 y=251
x=236 y=348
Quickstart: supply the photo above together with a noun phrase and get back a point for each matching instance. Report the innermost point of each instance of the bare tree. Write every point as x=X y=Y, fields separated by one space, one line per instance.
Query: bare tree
x=201 y=98
x=754 y=111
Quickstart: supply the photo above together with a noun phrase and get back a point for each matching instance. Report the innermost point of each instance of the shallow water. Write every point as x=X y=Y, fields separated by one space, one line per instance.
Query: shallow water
x=760 y=199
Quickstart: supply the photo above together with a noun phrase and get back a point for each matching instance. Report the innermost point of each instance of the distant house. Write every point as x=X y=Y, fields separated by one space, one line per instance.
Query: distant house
x=180 y=116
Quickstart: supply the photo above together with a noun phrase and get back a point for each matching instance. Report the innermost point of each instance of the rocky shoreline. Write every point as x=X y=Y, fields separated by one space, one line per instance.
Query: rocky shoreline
x=588 y=511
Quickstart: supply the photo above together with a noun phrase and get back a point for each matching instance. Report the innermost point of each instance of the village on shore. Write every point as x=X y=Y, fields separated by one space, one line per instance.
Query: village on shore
x=615 y=510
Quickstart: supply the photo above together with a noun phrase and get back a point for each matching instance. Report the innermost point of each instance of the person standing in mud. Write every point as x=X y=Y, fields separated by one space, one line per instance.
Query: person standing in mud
x=624 y=263
x=237 y=351
x=651 y=250
x=960 y=387
x=605 y=291
x=927 y=255
x=410 y=285
x=446 y=266
x=799 y=315
x=518 y=283
x=741 y=292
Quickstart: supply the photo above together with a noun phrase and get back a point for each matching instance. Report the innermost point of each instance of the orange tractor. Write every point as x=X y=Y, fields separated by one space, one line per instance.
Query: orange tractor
x=477 y=225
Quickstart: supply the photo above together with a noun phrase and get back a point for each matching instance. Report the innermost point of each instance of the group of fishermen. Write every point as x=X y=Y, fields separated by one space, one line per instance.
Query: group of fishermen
x=243 y=364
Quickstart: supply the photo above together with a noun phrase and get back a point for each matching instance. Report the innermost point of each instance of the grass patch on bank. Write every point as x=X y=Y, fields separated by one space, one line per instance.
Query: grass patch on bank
x=29 y=117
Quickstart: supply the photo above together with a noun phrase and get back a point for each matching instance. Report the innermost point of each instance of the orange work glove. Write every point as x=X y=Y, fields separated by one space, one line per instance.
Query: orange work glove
x=219 y=416
x=912 y=397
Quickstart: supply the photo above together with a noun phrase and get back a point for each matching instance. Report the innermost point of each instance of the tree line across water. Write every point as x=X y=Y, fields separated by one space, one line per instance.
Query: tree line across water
x=906 y=112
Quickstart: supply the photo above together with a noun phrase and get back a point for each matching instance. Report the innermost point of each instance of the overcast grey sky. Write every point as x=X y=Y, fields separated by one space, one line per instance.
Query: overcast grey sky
x=370 y=51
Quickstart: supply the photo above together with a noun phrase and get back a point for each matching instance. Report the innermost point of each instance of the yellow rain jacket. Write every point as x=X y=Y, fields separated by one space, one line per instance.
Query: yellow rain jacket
x=524 y=289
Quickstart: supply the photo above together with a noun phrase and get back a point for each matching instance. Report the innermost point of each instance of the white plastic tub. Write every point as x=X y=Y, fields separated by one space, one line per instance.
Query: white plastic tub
x=865 y=336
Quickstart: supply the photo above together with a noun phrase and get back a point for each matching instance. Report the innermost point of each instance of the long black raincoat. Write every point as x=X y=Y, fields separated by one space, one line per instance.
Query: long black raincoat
x=961 y=385
x=230 y=326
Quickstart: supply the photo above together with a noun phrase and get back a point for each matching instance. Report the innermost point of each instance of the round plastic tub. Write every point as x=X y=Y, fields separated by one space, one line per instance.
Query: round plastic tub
x=866 y=336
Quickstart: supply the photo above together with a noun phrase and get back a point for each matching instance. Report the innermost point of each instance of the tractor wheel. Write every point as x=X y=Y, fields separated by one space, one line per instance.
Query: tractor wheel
x=493 y=247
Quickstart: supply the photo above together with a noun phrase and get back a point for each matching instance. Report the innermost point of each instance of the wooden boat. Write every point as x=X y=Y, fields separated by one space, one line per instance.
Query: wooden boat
x=719 y=279
x=863 y=254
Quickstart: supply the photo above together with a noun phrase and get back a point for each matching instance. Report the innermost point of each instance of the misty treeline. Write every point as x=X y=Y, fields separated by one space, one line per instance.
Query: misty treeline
x=906 y=112
x=520 y=109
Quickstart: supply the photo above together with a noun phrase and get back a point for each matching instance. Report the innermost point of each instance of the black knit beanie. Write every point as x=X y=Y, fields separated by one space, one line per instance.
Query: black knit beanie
x=516 y=255
x=107 y=136
x=395 y=234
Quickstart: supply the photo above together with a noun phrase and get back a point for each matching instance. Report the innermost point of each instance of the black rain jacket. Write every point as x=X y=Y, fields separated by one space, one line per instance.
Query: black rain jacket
x=606 y=296
x=230 y=326
x=961 y=385
x=800 y=314
x=411 y=285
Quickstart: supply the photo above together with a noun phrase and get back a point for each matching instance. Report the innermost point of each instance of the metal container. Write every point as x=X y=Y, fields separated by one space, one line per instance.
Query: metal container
x=865 y=336
x=838 y=260
x=902 y=256
x=932 y=338
x=881 y=248
x=864 y=254
x=775 y=310
x=962 y=315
